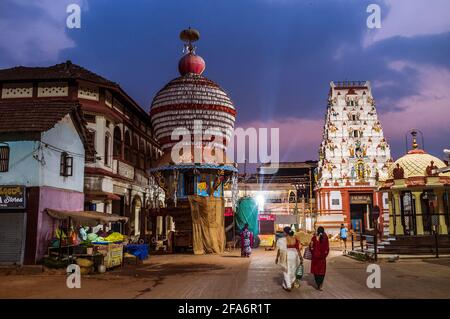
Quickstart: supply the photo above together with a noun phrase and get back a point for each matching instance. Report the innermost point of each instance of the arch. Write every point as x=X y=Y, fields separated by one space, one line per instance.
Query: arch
x=117 y=145
x=135 y=151
x=127 y=146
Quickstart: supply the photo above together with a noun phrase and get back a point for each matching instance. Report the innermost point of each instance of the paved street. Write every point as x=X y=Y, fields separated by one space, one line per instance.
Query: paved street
x=229 y=276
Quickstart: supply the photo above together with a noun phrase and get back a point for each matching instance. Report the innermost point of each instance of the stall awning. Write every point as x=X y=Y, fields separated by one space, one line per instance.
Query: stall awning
x=87 y=218
x=101 y=196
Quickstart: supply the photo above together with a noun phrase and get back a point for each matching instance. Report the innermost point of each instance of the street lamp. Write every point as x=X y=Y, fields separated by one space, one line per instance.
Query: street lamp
x=260 y=200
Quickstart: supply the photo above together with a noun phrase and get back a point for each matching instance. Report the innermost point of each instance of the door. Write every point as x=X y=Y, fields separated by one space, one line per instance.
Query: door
x=358 y=216
x=408 y=214
x=12 y=237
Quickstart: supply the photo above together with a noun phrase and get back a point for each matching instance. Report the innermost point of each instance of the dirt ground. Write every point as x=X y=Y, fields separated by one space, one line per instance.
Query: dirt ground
x=229 y=276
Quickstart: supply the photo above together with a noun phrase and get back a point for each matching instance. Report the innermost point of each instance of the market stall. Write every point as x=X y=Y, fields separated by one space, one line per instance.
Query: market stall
x=75 y=240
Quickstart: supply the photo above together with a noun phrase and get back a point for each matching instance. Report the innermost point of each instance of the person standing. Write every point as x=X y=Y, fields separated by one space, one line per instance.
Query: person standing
x=289 y=257
x=343 y=234
x=246 y=242
x=319 y=249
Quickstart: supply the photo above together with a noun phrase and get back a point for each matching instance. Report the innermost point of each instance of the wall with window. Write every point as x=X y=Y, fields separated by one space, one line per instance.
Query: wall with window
x=63 y=137
x=34 y=163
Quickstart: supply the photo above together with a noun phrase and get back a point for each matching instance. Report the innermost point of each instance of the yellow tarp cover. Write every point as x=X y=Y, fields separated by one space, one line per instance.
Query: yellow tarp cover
x=207 y=224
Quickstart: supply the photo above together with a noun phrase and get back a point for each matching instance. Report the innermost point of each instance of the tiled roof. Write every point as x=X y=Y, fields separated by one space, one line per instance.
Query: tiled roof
x=61 y=71
x=32 y=116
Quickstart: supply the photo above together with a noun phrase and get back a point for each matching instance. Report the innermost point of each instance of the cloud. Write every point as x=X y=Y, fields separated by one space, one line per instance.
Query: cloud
x=427 y=110
x=34 y=31
x=299 y=139
x=409 y=18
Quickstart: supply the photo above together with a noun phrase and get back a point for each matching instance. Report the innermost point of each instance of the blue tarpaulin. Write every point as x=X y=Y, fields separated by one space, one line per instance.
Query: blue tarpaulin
x=140 y=251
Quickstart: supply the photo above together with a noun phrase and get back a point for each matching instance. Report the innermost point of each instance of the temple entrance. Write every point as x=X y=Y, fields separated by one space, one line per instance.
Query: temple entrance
x=360 y=212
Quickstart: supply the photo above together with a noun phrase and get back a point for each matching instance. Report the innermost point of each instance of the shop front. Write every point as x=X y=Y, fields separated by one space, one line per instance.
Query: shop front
x=12 y=224
x=81 y=237
x=266 y=229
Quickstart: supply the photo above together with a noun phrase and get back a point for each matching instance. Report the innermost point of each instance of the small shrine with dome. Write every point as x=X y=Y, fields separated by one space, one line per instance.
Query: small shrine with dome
x=418 y=194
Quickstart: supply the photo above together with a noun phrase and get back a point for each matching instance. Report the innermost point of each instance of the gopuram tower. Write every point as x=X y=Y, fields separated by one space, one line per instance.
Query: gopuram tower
x=354 y=155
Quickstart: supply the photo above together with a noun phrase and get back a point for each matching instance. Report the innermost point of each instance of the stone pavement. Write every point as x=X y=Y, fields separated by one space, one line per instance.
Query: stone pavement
x=229 y=276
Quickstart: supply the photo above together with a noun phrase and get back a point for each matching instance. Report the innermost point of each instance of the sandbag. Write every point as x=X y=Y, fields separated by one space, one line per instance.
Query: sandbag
x=83 y=262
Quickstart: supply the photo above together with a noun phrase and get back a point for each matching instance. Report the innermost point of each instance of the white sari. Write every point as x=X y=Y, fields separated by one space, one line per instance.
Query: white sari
x=289 y=261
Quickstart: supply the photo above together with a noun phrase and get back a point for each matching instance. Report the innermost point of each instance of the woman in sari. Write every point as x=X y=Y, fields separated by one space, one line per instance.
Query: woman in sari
x=319 y=251
x=289 y=257
x=246 y=242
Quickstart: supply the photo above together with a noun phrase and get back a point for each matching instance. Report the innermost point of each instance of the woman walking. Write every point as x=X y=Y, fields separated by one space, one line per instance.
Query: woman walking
x=289 y=257
x=319 y=250
x=246 y=242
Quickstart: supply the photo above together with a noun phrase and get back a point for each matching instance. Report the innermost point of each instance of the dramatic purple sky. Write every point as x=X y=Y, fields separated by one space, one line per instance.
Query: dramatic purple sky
x=275 y=58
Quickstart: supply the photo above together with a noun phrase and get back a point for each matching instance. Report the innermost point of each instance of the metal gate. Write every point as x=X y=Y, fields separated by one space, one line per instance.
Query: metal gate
x=12 y=237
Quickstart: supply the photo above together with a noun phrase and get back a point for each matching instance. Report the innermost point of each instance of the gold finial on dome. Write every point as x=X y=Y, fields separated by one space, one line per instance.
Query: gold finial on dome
x=414 y=135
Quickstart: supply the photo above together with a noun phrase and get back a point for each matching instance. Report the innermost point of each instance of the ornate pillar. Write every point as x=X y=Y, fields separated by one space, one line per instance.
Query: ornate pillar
x=440 y=200
x=398 y=214
x=418 y=212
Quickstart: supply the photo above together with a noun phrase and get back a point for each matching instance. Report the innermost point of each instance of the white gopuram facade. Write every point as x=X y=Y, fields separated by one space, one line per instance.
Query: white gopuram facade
x=354 y=155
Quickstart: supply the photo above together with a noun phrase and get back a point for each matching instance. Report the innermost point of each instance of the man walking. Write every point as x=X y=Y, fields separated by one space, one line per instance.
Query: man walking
x=343 y=236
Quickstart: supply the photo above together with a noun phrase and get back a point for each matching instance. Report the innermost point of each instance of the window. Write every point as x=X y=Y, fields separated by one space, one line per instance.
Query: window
x=4 y=158
x=355 y=133
x=189 y=182
x=66 y=168
x=127 y=147
x=142 y=154
x=117 y=146
x=353 y=117
x=89 y=118
x=106 y=150
x=335 y=202
x=134 y=152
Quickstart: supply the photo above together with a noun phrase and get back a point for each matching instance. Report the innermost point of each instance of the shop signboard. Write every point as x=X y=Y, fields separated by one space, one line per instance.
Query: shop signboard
x=228 y=211
x=266 y=217
x=12 y=197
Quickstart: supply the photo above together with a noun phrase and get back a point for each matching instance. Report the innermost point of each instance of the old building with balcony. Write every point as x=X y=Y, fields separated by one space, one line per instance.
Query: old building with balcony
x=115 y=178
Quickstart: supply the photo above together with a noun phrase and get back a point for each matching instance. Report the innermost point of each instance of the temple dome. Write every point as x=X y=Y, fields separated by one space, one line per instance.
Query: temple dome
x=188 y=98
x=415 y=164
